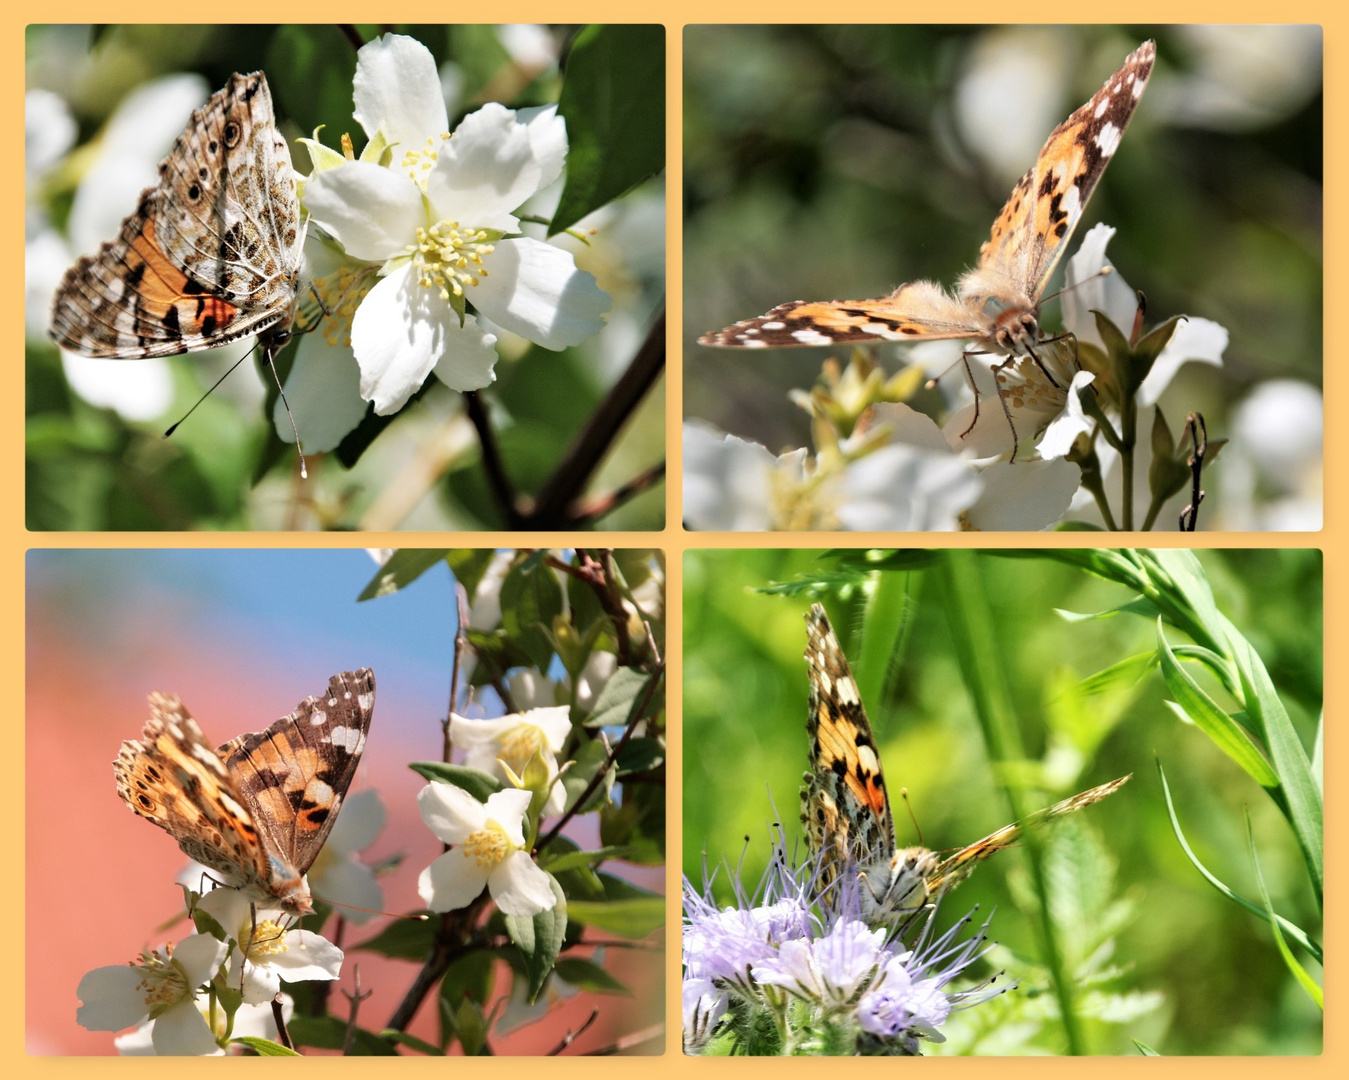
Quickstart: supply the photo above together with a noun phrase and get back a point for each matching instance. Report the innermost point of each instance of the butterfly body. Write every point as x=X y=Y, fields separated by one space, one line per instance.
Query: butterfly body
x=997 y=304
x=845 y=807
x=258 y=809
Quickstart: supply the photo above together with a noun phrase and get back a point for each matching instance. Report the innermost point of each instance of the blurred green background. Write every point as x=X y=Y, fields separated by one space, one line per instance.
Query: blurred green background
x=831 y=162
x=1224 y=988
x=92 y=467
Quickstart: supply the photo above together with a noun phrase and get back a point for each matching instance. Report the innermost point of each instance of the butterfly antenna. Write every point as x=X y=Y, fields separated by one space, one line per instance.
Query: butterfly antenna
x=373 y=911
x=208 y=393
x=304 y=471
x=904 y=794
x=1102 y=272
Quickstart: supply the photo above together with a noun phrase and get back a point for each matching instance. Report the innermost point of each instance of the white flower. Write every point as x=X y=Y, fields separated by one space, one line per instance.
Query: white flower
x=734 y=485
x=1024 y=496
x=509 y=742
x=256 y=1021
x=488 y=850
x=161 y=987
x=703 y=1005
x=485 y=612
x=1087 y=289
x=438 y=227
x=263 y=951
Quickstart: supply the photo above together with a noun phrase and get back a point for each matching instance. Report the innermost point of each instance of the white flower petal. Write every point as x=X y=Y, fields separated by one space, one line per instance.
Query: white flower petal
x=451 y=882
x=1064 y=428
x=904 y=488
x=507 y=808
x=397 y=90
x=373 y=212
x=485 y=171
x=450 y=812
x=535 y=290
x=324 y=392
x=110 y=998
x=200 y=957
x=398 y=334
x=345 y=881
x=363 y=816
x=548 y=137
x=261 y=982
x=1087 y=290
x=1024 y=496
x=1194 y=339
x=468 y=357
x=183 y=1030
x=519 y=887
x=307 y=956
x=728 y=482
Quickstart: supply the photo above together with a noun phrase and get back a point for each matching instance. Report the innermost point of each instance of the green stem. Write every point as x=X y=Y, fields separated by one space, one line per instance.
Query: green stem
x=979 y=653
x=1129 y=437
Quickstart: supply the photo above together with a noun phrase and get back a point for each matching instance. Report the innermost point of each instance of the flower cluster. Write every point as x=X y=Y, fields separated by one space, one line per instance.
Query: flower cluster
x=773 y=974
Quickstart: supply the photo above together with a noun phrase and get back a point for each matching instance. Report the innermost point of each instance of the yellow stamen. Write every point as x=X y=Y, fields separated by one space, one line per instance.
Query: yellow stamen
x=488 y=845
x=448 y=257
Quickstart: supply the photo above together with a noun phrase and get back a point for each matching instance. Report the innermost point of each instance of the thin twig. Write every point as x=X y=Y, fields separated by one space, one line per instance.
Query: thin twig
x=1189 y=517
x=452 y=940
x=497 y=480
x=282 y=1035
x=352 y=35
x=460 y=644
x=355 y=997
x=553 y=506
x=572 y=1036
x=588 y=512
x=627 y=1042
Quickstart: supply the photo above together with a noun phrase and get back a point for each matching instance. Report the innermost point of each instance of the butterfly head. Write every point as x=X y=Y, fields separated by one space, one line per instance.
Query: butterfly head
x=1016 y=330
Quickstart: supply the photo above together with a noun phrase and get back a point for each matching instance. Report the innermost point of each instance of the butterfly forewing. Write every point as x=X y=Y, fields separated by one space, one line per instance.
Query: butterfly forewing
x=293 y=777
x=212 y=252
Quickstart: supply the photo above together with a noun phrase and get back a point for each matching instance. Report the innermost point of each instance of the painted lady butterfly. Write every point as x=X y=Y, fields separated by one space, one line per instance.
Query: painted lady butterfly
x=258 y=809
x=845 y=808
x=997 y=304
x=213 y=252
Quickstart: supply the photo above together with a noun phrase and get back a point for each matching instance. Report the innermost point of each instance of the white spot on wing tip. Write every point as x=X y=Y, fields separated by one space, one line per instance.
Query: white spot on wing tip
x=366 y=701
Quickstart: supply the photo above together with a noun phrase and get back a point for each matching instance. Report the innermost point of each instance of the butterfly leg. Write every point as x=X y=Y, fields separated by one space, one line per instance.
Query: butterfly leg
x=1007 y=409
x=969 y=374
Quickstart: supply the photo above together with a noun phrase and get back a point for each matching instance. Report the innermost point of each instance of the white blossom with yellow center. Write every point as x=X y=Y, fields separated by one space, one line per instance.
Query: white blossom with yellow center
x=508 y=742
x=161 y=987
x=436 y=225
x=487 y=851
x=263 y=951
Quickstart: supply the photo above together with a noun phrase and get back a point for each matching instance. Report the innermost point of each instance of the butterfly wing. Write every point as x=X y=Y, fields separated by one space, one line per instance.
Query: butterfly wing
x=920 y=310
x=844 y=805
x=293 y=777
x=212 y=252
x=1033 y=229
x=173 y=777
x=957 y=867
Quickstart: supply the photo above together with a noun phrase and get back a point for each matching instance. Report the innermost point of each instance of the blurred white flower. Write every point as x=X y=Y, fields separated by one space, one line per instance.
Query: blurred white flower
x=509 y=742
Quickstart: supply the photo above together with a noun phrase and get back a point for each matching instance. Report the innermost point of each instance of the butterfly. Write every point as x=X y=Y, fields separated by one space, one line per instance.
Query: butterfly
x=997 y=303
x=845 y=808
x=257 y=809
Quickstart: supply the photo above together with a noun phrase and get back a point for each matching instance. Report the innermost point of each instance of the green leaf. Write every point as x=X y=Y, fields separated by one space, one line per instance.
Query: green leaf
x=1299 y=787
x=585 y=975
x=404 y=1039
x=403 y=568
x=531 y=598
x=613 y=99
x=471 y=1027
x=468 y=566
x=1197 y=706
x=471 y=975
x=479 y=784
x=1298 y=971
x=1145 y=1049
x=572 y=859
x=403 y=939
x=1291 y=929
x=591 y=757
x=616 y=698
x=626 y=910
x=265 y=1047
x=330 y=1033
x=639 y=756
x=539 y=938
x=1128 y=670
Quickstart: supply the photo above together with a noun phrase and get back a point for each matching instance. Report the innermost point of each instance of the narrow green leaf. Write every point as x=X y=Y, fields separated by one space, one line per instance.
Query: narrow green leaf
x=265 y=1047
x=1137 y=606
x=613 y=99
x=539 y=938
x=479 y=784
x=573 y=859
x=1298 y=786
x=1145 y=1049
x=468 y=566
x=1127 y=671
x=1291 y=929
x=639 y=756
x=404 y=1039
x=1298 y=971
x=403 y=939
x=403 y=568
x=1226 y=734
x=631 y=919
